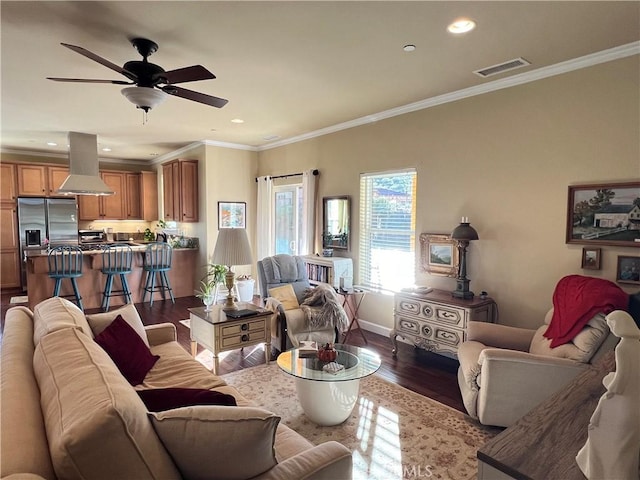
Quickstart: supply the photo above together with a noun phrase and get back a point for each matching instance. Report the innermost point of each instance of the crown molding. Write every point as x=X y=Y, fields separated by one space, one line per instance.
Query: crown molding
x=65 y=155
x=522 y=78
x=578 y=63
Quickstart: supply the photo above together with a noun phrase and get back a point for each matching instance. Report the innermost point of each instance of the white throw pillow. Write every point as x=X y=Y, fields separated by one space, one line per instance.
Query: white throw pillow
x=218 y=443
x=581 y=348
x=99 y=321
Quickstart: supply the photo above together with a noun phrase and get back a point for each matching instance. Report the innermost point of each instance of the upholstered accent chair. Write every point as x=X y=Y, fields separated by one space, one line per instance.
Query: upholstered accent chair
x=290 y=324
x=506 y=371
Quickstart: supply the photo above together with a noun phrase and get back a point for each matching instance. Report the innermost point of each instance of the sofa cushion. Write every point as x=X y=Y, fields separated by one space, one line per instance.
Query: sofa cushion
x=174 y=358
x=97 y=426
x=218 y=443
x=127 y=350
x=160 y=399
x=56 y=313
x=99 y=321
x=583 y=346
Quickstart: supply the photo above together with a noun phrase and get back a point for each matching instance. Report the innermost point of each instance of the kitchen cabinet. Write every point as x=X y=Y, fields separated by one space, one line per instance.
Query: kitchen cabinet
x=9 y=248
x=32 y=180
x=56 y=176
x=8 y=190
x=149 y=196
x=180 y=185
x=109 y=207
x=40 y=180
x=133 y=184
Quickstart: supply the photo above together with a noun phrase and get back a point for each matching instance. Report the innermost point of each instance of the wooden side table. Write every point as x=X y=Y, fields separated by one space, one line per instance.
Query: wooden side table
x=219 y=333
x=352 y=307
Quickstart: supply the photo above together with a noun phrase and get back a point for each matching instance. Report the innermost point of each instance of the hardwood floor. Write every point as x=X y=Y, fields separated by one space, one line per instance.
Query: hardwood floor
x=425 y=373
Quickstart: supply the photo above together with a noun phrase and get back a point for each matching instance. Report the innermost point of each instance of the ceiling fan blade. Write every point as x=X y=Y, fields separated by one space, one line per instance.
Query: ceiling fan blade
x=86 y=80
x=195 y=96
x=187 y=74
x=100 y=60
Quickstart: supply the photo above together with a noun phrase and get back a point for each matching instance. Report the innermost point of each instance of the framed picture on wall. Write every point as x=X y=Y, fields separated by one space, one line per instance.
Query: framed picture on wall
x=591 y=258
x=232 y=215
x=628 y=270
x=604 y=214
x=439 y=254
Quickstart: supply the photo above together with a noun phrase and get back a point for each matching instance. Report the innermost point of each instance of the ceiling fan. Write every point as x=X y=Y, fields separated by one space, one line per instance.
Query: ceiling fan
x=151 y=81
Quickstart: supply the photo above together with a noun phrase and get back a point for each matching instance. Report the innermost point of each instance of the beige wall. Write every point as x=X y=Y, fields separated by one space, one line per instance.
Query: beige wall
x=504 y=159
x=224 y=175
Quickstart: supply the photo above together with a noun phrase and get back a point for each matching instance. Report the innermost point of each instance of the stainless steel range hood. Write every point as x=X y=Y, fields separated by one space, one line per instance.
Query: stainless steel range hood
x=84 y=177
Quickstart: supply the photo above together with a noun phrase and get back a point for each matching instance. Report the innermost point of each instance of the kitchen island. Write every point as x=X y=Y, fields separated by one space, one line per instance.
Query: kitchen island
x=91 y=284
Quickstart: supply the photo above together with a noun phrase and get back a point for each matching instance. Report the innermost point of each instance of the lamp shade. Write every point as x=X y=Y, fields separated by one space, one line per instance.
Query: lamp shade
x=145 y=98
x=464 y=231
x=232 y=247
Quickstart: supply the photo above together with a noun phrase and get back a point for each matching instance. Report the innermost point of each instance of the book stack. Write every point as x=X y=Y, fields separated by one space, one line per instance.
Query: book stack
x=307 y=349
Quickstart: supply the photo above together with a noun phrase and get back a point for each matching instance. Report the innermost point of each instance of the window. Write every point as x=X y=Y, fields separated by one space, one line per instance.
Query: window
x=387 y=229
x=288 y=219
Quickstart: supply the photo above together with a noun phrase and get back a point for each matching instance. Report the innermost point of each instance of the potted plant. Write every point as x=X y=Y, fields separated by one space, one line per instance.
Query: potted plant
x=208 y=293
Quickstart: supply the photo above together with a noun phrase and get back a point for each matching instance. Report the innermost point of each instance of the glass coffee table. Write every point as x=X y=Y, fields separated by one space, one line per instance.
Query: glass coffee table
x=328 y=398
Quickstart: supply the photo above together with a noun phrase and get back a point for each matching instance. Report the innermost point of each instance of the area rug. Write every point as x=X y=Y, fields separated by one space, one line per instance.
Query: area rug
x=393 y=432
x=19 y=299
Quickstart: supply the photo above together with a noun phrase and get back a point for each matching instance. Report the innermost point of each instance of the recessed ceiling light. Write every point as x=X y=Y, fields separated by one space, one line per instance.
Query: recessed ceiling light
x=409 y=48
x=52 y=144
x=462 y=25
x=237 y=120
x=106 y=149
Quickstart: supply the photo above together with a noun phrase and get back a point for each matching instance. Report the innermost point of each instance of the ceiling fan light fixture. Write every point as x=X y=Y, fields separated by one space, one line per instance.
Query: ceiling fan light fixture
x=145 y=98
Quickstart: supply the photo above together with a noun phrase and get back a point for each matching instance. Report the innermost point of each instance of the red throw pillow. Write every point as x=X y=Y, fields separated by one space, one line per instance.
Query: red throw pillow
x=127 y=350
x=160 y=399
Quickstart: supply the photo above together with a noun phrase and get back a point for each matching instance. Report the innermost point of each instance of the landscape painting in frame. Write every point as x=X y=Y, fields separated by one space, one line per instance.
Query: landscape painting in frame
x=604 y=214
x=232 y=215
x=439 y=255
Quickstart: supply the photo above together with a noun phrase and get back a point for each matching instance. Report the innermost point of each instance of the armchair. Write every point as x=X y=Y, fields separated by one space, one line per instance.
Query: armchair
x=292 y=324
x=506 y=371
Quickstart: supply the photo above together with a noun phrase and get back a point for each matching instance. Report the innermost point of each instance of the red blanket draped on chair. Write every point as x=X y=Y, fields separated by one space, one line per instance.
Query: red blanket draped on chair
x=576 y=300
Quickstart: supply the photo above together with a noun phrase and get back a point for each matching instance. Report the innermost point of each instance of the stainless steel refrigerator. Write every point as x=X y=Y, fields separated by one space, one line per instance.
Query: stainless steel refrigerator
x=46 y=220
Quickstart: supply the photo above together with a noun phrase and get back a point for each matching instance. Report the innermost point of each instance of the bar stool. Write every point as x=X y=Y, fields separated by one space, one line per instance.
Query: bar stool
x=66 y=262
x=116 y=260
x=157 y=260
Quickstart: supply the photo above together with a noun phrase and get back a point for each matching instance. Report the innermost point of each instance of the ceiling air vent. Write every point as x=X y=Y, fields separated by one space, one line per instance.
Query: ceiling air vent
x=502 y=67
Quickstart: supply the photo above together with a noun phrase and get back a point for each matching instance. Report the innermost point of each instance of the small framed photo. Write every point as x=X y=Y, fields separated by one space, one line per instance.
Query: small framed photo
x=591 y=258
x=439 y=254
x=232 y=215
x=628 y=270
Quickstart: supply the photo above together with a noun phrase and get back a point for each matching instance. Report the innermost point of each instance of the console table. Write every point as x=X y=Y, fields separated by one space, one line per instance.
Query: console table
x=436 y=321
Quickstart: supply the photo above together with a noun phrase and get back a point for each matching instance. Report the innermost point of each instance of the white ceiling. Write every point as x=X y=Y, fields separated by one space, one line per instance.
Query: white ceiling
x=287 y=68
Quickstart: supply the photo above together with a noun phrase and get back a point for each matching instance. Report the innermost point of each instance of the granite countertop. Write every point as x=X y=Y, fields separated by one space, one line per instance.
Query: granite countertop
x=135 y=247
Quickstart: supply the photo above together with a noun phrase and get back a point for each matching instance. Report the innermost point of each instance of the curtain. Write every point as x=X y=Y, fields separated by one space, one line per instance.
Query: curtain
x=308 y=212
x=264 y=235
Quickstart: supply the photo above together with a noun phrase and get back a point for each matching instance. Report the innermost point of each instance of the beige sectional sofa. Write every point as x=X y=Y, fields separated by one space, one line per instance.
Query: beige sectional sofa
x=67 y=412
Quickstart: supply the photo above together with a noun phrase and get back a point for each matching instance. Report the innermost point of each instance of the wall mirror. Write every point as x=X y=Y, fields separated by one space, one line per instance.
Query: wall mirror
x=336 y=229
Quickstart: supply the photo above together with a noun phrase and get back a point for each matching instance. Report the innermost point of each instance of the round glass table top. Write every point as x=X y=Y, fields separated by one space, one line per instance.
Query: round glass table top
x=358 y=363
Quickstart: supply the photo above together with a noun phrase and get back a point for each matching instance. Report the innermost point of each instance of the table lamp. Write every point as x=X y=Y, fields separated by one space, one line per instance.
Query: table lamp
x=463 y=234
x=232 y=248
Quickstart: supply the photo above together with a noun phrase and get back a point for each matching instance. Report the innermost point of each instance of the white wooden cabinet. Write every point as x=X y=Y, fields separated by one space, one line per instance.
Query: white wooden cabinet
x=328 y=269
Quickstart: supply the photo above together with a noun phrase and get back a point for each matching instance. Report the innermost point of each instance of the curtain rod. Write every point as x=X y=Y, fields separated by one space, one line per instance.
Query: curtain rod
x=315 y=172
